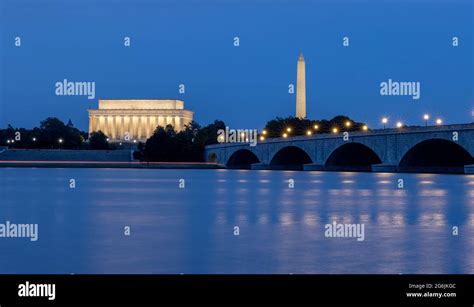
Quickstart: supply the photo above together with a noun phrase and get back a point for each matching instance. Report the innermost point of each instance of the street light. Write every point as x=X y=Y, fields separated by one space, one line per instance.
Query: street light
x=60 y=141
x=384 y=122
x=285 y=135
x=439 y=121
x=426 y=117
x=399 y=124
x=262 y=138
x=348 y=124
x=365 y=128
x=264 y=132
x=334 y=130
x=34 y=139
x=309 y=132
x=316 y=127
x=288 y=129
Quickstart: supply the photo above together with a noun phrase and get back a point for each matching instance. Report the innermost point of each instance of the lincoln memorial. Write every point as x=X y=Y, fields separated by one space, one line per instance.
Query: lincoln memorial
x=136 y=119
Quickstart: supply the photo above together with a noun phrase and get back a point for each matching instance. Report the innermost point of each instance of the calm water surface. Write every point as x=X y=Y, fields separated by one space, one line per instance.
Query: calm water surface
x=191 y=230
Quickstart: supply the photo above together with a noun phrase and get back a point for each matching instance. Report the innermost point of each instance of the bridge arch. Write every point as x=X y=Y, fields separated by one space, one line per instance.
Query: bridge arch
x=242 y=159
x=290 y=158
x=352 y=157
x=435 y=155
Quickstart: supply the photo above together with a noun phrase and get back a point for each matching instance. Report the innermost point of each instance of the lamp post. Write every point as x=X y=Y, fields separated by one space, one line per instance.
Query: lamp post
x=384 y=122
x=426 y=117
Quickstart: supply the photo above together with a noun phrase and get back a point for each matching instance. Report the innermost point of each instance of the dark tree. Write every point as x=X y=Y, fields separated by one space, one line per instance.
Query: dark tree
x=53 y=133
x=161 y=146
x=98 y=140
x=167 y=145
x=208 y=134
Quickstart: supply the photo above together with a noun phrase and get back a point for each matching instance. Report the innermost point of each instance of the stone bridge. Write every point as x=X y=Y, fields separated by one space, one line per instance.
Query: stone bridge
x=448 y=148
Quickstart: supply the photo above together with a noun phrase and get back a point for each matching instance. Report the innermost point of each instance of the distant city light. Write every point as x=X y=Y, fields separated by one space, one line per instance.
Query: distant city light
x=334 y=130
x=8 y=141
x=399 y=124
x=60 y=140
x=348 y=124
x=285 y=135
x=309 y=132
x=365 y=128
x=439 y=121
x=108 y=139
x=34 y=139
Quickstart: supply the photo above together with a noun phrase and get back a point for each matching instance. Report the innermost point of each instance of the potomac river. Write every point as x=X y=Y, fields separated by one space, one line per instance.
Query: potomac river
x=234 y=221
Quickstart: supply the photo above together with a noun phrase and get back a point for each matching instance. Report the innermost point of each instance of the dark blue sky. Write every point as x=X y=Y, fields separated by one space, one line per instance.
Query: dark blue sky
x=191 y=42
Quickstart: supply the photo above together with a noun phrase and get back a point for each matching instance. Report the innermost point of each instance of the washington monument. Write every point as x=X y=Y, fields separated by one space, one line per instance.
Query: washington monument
x=300 y=88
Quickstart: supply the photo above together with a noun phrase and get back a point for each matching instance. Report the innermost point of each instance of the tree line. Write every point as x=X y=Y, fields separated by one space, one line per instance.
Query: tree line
x=293 y=126
x=166 y=144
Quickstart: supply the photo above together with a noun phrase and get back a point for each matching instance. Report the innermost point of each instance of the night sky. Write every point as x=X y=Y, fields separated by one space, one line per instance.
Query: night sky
x=192 y=42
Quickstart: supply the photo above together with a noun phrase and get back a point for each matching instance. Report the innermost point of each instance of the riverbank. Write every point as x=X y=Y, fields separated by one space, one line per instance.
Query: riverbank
x=113 y=164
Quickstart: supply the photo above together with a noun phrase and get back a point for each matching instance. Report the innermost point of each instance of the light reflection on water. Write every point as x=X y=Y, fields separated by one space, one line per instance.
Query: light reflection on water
x=191 y=230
